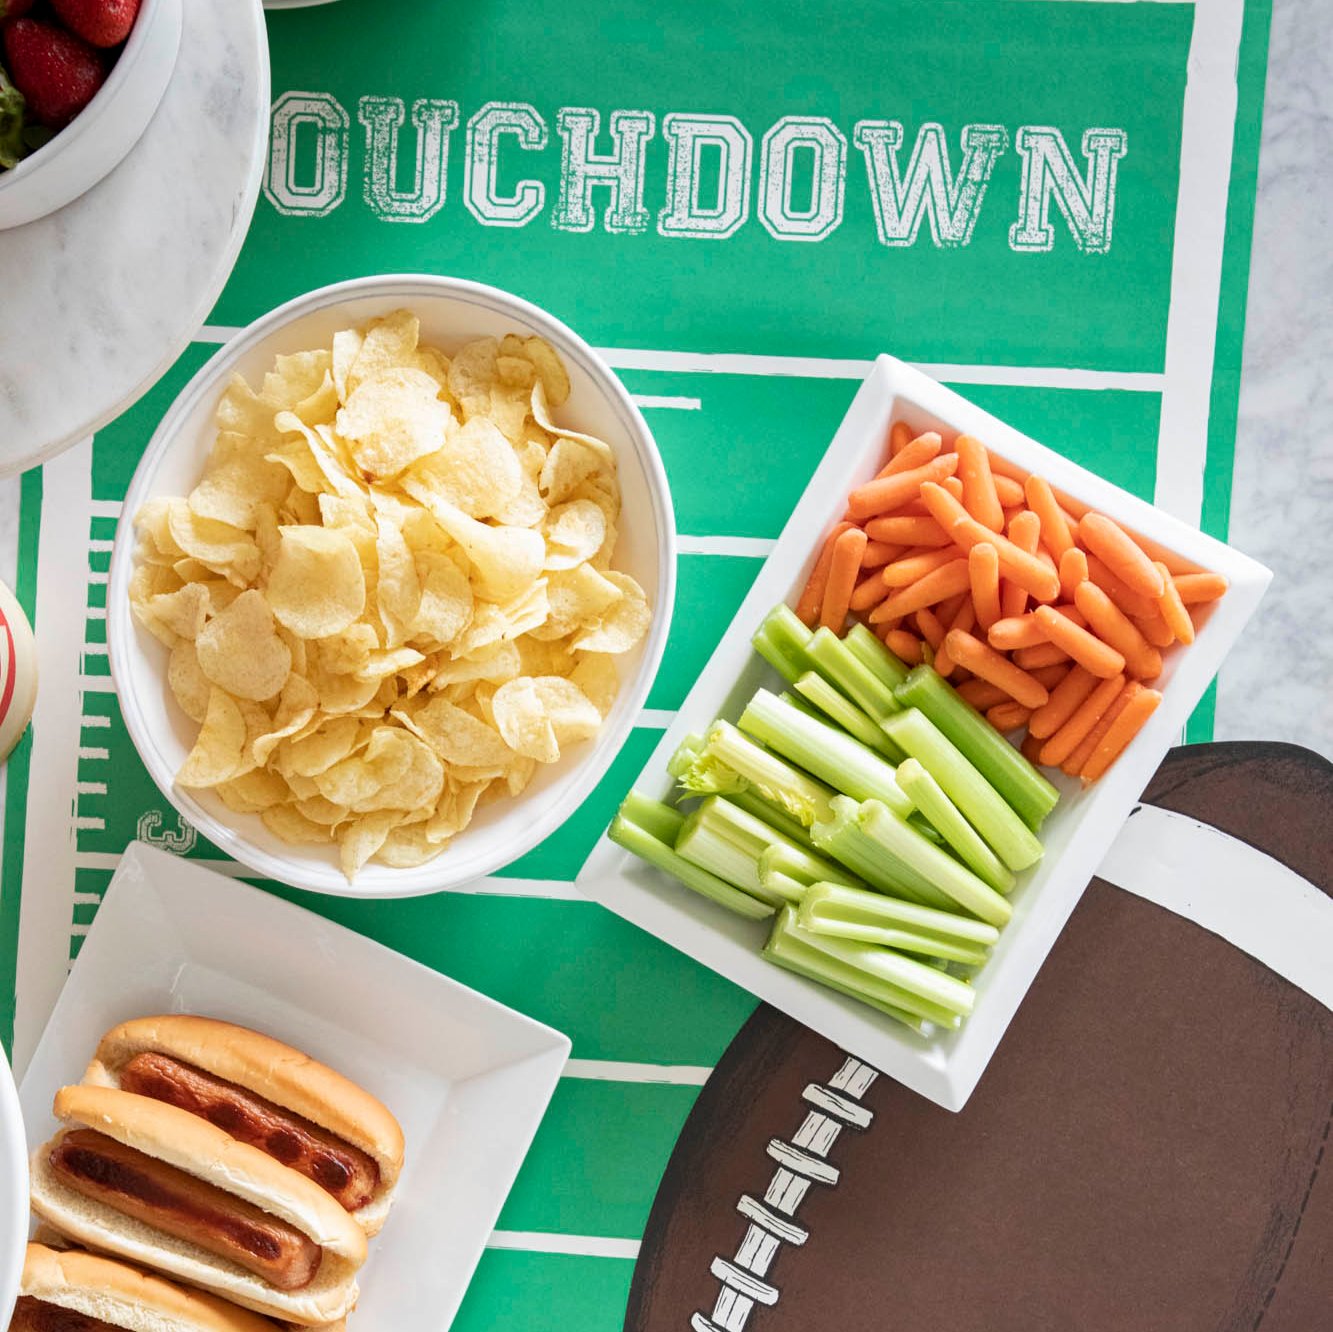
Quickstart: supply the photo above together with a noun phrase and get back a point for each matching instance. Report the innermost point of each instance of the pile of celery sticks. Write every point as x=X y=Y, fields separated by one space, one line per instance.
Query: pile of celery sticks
x=875 y=812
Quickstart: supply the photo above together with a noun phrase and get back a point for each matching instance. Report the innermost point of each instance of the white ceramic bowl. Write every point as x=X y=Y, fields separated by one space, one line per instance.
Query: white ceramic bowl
x=13 y=1192
x=451 y=311
x=1077 y=833
x=100 y=137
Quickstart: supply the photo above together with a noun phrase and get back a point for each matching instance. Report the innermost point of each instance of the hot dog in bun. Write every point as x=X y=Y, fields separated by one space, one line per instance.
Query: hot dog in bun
x=154 y=1183
x=266 y=1094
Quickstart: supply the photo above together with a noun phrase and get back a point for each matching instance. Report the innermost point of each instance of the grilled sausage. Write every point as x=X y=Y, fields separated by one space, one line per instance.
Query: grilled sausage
x=172 y=1201
x=337 y=1167
x=33 y=1315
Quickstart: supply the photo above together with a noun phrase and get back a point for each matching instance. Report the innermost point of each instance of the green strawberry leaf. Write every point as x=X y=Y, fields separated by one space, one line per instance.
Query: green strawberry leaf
x=12 y=111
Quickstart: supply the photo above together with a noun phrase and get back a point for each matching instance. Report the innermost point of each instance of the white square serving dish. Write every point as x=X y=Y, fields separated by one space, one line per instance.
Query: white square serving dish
x=945 y=1067
x=468 y=1079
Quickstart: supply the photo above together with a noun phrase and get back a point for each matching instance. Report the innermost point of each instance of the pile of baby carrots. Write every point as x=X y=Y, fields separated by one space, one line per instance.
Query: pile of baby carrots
x=1046 y=615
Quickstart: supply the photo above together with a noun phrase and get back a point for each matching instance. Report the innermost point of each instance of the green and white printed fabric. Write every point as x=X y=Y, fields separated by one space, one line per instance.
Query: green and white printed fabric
x=1045 y=204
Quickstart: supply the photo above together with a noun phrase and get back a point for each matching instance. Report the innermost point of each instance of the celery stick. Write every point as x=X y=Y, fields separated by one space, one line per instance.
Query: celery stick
x=850 y=913
x=643 y=844
x=983 y=807
x=778 y=857
x=828 y=754
x=753 y=834
x=842 y=838
x=780 y=821
x=730 y=761
x=781 y=640
x=852 y=719
x=791 y=947
x=686 y=754
x=871 y=653
x=1016 y=780
x=778 y=657
x=803 y=704
x=830 y=902
x=840 y=667
x=927 y=796
x=947 y=874
x=923 y=988
x=777 y=882
x=652 y=816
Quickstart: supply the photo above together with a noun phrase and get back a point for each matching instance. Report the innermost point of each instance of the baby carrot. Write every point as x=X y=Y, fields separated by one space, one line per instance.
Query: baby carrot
x=888 y=492
x=983 y=568
x=1113 y=627
x=906 y=647
x=1008 y=491
x=880 y=553
x=900 y=435
x=1008 y=716
x=954 y=486
x=1129 y=601
x=845 y=565
x=1175 y=564
x=1054 y=530
x=1111 y=544
x=944 y=582
x=1017 y=565
x=1039 y=657
x=807 y=608
x=1073 y=765
x=1050 y=676
x=948 y=609
x=1154 y=628
x=1194 y=588
x=905 y=572
x=982 y=695
x=1011 y=512
x=1086 y=649
x=983 y=661
x=908 y=531
x=1031 y=749
x=964 y=619
x=932 y=629
x=916 y=454
x=1025 y=533
x=942 y=505
x=1064 y=701
x=1015 y=631
x=1003 y=467
x=868 y=593
x=1073 y=570
x=979 y=497
x=1121 y=731
x=1067 y=738
x=1172 y=609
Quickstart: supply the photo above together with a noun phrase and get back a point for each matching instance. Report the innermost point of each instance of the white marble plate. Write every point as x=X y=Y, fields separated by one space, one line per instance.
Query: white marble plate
x=102 y=296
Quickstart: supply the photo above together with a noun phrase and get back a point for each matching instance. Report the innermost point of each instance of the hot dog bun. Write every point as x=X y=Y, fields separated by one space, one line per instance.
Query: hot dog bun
x=198 y=1148
x=278 y=1073
x=124 y=1296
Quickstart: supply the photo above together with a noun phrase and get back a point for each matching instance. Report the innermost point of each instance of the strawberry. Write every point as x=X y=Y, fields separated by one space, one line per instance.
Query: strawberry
x=12 y=9
x=100 y=22
x=54 y=70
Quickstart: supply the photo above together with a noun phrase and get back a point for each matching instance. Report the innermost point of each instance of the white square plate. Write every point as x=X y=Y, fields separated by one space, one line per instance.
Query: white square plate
x=1076 y=835
x=468 y=1079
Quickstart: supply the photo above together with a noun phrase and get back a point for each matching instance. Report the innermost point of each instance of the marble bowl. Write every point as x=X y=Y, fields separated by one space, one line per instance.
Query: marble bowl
x=451 y=311
x=101 y=136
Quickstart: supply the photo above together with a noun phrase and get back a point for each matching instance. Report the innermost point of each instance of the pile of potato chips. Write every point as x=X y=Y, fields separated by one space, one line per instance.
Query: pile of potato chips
x=390 y=596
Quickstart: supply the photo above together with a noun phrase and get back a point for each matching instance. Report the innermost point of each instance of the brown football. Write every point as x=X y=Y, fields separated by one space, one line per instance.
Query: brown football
x=1143 y=1155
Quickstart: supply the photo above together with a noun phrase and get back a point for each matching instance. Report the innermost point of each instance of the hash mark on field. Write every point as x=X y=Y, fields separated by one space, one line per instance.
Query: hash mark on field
x=584 y=1246
x=91 y=788
x=91 y=755
x=95 y=612
x=97 y=544
x=96 y=722
x=84 y=823
x=753 y=548
x=679 y=404
x=105 y=508
x=96 y=578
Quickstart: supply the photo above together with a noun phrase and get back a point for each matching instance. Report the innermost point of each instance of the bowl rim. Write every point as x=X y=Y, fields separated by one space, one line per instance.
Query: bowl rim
x=587 y=770
x=82 y=124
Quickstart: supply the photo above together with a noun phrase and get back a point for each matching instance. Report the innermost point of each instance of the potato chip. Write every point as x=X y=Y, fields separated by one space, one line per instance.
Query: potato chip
x=393 y=419
x=388 y=661
x=389 y=343
x=398 y=590
x=321 y=406
x=569 y=463
x=472 y=372
x=317 y=752
x=457 y=736
x=241 y=411
x=362 y=838
x=505 y=560
x=240 y=651
x=254 y=792
x=188 y=684
x=237 y=477
x=153 y=525
x=170 y=616
x=406 y=848
x=574 y=533
x=340 y=692
x=347 y=346
x=217 y=753
x=290 y=825
x=515 y=371
x=576 y=598
x=321 y=811
x=596 y=675
x=475 y=469
x=444 y=608
x=536 y=715
x=526 y=508
x=417 y=787
x=295 y=378
x=623 y=625
x=550 y=370
x=317 y=586
x=296 y=707
x=347 y=652
x=541 y=413
x=225 y=549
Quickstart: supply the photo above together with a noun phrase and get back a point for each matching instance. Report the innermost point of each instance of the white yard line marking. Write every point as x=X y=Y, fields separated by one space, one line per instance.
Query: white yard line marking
x=104 y=508
x=84 y=823
x=45 y=907
x=753 y=548
x=96 y=723
x=96 y=684
x=1227 y=886
x=95 y=613
x=87 y=899
x=1196 y=266
x=90 y=788
x=99 y=545
x=678 y=404
x=611 y=1070
x=91 y=755
x=828 y=367
x=95 y=649
x=581 y=1246
x=97 y=579
x=656 y=719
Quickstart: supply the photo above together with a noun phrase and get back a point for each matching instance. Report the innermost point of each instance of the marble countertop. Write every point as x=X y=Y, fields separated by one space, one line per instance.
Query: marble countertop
x=1283 y=492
